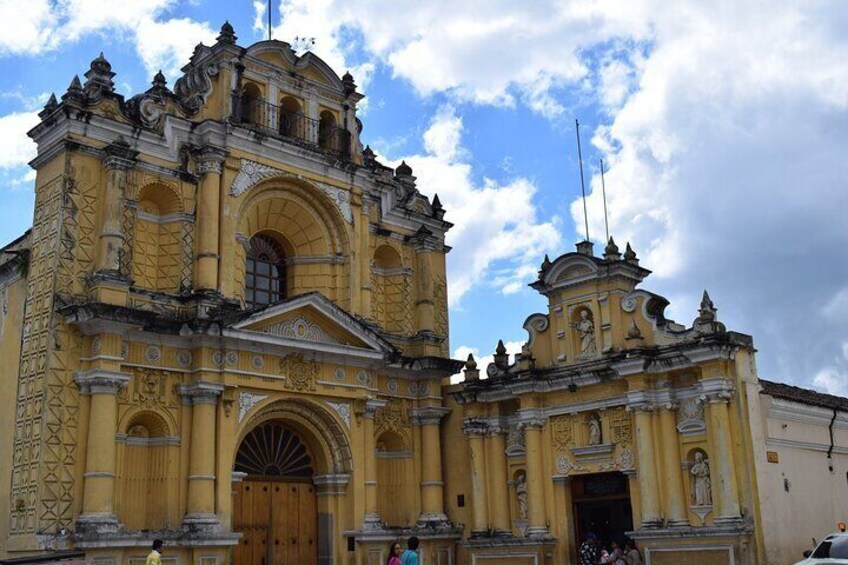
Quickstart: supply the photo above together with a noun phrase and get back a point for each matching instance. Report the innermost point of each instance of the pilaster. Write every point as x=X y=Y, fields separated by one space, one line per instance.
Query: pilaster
x=432 y=485
x=648 y=492
x=371 y=520
x=532 y=423
x=98 y=514
x=210 y=161
x=497 y=471
x=200 y=508
x=672 y=478
x=475 y=430
x=722 y=458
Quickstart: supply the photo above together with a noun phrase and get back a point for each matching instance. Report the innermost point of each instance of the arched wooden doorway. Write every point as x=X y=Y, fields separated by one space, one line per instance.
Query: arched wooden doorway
x=274 y=507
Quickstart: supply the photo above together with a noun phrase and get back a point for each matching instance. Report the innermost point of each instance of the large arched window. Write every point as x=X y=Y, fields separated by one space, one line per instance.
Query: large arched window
x=265 y=279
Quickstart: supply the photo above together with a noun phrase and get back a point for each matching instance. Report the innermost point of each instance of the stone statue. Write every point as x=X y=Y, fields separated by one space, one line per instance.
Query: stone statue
x=701 y=488
x=586 y=330
x=594 y=430
x=521 y=491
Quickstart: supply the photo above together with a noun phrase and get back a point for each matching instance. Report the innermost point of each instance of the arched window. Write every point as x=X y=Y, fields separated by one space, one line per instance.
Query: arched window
x=327 y=130
x=291 y=118
x=265 y=279
x=251 y=104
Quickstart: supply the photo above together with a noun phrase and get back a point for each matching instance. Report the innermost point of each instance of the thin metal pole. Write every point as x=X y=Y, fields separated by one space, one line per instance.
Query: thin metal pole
x=582 y=182
x=269 y=19
x=604 y=190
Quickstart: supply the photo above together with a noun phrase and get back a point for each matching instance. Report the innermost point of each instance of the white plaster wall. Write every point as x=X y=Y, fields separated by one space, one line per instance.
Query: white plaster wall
x=817 y=498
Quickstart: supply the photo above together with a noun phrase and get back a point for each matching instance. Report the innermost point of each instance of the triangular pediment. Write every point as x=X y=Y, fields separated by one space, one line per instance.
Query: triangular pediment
x=313 y=321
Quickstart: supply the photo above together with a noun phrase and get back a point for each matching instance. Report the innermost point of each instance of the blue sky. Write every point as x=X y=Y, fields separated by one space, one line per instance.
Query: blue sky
x=724 y=127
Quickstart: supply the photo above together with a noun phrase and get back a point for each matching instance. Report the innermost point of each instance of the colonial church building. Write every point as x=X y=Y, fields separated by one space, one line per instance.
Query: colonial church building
x=228 y=329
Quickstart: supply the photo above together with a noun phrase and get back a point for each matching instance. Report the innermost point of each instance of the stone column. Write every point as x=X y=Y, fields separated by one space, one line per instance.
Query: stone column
x=498 y=490
x=649 y=500
x=722 y=460
x=98 y=508
x=425 y=244
x=200 y=507
x=432 y=486
x=672 y=476
x=209 y=168
x=119 y=158
x=475 y=429
x=536 y=515
x=371 y=520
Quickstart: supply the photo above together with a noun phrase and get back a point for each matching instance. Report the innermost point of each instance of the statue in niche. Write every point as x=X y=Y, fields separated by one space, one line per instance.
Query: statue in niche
x=586 y=330
x=594 y=430
x=521 y=491
x=701 y=486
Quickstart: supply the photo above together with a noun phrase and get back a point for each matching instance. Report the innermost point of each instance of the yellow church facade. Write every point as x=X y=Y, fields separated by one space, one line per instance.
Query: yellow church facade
x=228 y=329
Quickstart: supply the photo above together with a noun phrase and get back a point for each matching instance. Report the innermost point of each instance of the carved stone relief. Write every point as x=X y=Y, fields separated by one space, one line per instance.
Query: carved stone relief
x=300 y=373
x=248 y=400
x=300 y=328
x=563 y=432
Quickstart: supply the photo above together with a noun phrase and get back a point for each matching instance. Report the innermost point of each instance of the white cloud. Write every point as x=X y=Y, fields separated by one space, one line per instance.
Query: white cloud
x=167 y=45
x=483 y=361
x=16 y=149
x=832 y=381
x=498 y=236
x=41 y=26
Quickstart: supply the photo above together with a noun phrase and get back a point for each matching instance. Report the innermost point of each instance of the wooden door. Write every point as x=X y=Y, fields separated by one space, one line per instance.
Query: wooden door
x=278 y=521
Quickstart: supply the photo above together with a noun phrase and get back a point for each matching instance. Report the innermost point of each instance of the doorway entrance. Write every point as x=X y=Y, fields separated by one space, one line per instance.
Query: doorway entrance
x=601 y=505
x=275 y=507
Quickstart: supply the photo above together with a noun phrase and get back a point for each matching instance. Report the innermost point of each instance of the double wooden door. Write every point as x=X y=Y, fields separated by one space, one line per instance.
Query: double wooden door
x=278 y=521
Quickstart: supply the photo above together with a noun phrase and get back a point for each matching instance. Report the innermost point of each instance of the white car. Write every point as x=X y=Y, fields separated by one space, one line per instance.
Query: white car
x=832 y=550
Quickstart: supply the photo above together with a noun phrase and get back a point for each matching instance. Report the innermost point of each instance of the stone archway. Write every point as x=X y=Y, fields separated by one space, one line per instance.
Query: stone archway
x=274 y=505
x=292 y=457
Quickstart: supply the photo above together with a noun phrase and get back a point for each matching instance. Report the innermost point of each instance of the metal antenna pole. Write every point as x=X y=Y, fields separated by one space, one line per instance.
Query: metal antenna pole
x=604 y=190
x=582 y=182
x=269 y=19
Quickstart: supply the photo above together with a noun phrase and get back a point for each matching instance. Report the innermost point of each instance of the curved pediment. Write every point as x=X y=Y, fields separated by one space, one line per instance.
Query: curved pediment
x=280 y=54
x=568 y=268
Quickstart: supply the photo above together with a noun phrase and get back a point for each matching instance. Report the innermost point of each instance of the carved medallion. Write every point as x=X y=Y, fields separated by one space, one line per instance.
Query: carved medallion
x=300 y=373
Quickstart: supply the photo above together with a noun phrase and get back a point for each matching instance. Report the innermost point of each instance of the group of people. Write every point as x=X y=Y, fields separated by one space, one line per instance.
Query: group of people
x=593 y=552
x=399 y=556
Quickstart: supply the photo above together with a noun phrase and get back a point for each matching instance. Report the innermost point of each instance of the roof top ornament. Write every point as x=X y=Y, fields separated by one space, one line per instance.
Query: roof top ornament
x=611 y=251
x=99 y=78
x=74 y=91
x=49 y=107
x=349 y=85
x=227 y=35
x=630 y=255
x=403 y=170
x=546 y=264
x=707 y=321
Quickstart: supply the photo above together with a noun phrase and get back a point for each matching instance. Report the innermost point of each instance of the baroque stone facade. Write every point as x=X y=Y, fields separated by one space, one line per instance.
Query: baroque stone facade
x=228 y=328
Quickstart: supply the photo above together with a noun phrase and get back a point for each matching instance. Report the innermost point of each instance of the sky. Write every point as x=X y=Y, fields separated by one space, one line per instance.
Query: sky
x=723 y=127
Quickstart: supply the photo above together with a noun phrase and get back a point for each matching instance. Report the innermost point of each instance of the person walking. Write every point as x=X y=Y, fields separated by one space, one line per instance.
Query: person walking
x=410 y=556
x=588 y=554
x=395 y=551
x=155 y=556
x=631 y=554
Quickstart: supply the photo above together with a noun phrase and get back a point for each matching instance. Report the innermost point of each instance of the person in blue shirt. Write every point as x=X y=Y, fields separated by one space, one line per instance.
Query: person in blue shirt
x=410 y=556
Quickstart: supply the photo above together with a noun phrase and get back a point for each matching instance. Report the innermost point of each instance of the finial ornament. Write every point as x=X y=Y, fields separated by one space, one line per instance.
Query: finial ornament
x=500 y=349
x=368 y=153
x=228 y=34
x=159 y=79
x=74 y=90
x=629 y=254
x=49 y=107
x=707 y=310
x=471 y=364
x=611 y=250
x=403 y=170
x=546 y=263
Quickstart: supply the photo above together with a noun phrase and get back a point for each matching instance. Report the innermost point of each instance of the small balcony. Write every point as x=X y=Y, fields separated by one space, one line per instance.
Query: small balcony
x=293 y=126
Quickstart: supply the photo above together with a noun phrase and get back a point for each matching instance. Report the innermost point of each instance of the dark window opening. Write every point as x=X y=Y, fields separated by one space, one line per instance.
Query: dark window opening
x=265 y=277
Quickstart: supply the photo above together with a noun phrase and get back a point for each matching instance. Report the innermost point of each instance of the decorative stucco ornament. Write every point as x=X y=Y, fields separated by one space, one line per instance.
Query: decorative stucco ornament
x=342 y=409
x=252 y=173
x=300 y=328
x=248 y=400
